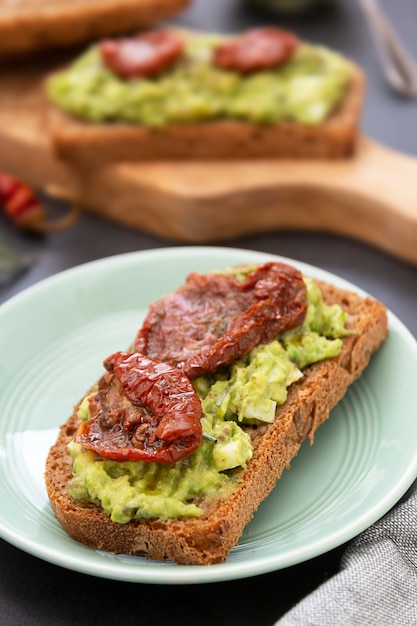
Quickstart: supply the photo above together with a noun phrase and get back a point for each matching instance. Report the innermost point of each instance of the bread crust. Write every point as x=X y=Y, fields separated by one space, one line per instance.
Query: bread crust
x=35 y=25
x=89 y=143
x=208 y=539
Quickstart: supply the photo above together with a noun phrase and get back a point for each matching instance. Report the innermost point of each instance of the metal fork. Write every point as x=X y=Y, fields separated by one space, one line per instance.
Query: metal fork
x=399 y=67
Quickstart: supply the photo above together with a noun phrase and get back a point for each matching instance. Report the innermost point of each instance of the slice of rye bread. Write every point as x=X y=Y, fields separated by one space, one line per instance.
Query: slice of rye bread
x=37 y=25
x=209 y=538
x=93 y=144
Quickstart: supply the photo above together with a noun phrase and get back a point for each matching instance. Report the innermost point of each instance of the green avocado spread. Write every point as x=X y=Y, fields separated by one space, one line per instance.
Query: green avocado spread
x=306 y=89
x=233 y=401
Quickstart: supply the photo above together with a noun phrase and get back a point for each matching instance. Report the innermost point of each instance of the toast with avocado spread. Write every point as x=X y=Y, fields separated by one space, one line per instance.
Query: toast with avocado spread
x=204 y=99
x=170 y=454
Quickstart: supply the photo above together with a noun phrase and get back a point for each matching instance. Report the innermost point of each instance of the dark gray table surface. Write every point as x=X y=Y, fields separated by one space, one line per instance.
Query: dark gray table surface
x=34 y=592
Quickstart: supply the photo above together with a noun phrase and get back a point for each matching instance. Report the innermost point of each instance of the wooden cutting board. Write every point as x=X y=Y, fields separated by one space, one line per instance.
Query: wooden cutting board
x=371 y=197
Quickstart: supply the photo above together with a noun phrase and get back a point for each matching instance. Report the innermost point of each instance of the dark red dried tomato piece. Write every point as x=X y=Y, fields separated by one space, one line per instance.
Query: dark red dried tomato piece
x=257 y=49
x=144 y=410
x=214 y=319
x=144 y=55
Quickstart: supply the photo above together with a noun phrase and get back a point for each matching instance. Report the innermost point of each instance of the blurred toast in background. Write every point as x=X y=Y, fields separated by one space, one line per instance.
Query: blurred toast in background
x=306 y=103
x=81 y=142
x=28 y=26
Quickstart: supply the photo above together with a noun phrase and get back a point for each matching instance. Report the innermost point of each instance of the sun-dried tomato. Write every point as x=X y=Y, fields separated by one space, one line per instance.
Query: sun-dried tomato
x=214 y=319
x=144 y=410
x=144 y=55
x=255 y=50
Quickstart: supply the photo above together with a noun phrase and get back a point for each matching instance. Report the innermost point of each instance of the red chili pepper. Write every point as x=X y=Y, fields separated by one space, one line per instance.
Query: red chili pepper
x=20 y=203
x=26 y=211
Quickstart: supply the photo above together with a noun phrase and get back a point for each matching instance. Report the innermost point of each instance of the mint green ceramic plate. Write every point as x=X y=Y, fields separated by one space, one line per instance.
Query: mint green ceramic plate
x=53 y=338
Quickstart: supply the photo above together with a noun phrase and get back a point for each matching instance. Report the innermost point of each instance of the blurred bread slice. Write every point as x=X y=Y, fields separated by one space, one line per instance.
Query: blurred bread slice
x=82 y=142
x=36 y=25
x=96 y=143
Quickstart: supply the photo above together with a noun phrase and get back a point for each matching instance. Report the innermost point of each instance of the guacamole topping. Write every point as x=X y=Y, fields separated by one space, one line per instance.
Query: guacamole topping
x=305 y=89
x=233 y=399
